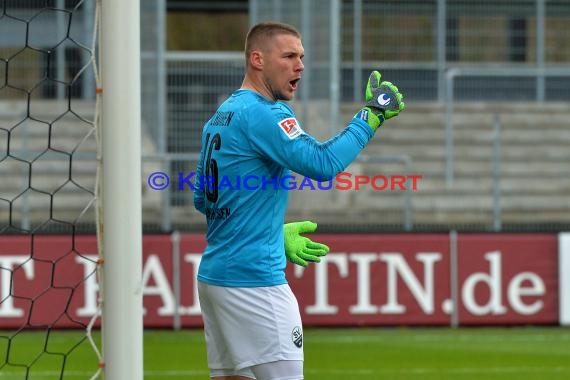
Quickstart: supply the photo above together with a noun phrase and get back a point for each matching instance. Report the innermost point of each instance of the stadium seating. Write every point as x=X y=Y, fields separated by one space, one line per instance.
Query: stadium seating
x=534 y=179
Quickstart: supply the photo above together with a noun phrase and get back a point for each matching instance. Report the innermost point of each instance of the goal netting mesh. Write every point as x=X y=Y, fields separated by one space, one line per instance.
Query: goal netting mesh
x=49 y=250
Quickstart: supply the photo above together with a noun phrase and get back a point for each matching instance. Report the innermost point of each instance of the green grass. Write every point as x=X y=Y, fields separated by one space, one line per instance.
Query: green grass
x=331 y=354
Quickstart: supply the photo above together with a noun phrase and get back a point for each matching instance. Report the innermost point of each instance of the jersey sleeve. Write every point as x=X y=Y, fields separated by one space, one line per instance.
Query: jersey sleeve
x=277 y=134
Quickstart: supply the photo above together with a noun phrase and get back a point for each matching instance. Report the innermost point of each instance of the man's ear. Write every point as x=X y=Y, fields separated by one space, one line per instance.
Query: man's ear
x=256 y=59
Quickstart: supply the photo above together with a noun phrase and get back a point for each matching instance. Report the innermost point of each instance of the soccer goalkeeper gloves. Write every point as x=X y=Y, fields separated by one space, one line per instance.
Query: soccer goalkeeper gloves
x=299 y=249
x=383 y=101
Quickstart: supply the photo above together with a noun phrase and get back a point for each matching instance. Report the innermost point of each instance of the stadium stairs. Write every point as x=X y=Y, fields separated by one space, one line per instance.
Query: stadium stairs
x=534 y=168
x=534 y=179
x=48 y=166
x=534 y=163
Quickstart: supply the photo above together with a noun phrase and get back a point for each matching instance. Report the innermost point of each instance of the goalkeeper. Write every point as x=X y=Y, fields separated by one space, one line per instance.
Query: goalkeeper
x=252 y=321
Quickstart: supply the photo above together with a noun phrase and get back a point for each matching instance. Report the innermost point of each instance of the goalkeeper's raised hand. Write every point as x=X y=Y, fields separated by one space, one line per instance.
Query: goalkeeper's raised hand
x=300 y=249
x=383 y=101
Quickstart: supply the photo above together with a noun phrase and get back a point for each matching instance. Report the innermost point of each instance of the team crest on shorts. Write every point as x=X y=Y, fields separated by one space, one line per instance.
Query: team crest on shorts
x=297 y=336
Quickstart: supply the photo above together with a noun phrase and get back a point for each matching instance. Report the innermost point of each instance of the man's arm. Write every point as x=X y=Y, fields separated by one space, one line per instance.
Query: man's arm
x=277 y=134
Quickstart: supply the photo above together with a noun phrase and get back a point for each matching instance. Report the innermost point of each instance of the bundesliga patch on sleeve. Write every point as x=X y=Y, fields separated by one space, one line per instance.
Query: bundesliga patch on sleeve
x=291 y=127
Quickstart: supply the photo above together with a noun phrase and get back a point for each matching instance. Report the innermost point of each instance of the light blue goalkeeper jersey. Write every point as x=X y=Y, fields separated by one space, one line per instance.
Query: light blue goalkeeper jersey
x=248 y=146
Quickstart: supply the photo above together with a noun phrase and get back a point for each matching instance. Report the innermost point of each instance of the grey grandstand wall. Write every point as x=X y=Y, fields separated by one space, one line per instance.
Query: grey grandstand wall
x=503 y=138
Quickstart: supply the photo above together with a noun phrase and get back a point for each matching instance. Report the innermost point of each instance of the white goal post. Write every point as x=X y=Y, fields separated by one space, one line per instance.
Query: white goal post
x=122 y=323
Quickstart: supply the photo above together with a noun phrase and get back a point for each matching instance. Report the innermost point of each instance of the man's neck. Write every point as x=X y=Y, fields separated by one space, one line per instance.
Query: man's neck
x=255 y=85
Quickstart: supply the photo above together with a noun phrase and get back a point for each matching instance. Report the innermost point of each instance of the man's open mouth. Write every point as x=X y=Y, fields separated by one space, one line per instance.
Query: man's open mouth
x=294 y=83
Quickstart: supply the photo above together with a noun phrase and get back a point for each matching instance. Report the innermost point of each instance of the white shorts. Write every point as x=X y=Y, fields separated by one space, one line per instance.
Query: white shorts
x=245 y=327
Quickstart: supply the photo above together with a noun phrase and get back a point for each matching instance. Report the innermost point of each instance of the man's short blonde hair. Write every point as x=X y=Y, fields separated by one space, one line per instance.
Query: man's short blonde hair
x=260 y=35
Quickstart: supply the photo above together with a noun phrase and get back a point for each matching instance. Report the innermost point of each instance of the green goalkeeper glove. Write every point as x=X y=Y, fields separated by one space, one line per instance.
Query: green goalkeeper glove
x=299 y=249
x=383 y=101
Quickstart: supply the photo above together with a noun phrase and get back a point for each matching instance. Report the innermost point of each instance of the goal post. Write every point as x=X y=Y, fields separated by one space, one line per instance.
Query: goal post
x=122 y=316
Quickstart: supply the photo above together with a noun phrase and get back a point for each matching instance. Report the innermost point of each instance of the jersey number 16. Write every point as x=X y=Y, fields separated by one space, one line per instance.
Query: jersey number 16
x=211 y=167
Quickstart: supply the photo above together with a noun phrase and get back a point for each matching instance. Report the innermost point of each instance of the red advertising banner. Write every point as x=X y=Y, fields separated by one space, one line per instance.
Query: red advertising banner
x=368 y=279
x=508 y=278
x=47 y=281
x=376 y=280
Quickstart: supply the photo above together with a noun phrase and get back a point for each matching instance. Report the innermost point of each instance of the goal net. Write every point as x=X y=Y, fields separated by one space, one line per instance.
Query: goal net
x=49 y=251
